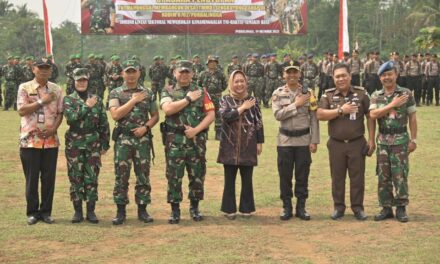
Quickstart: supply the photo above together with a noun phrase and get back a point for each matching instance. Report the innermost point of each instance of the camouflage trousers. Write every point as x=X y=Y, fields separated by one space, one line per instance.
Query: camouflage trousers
x=256 y=87
x=70 y=86
x=271 y=85
x=393 y=168
x=156 y=88
x=83 y=167
x=10 y=94
x=128 y=150
x=182 y=153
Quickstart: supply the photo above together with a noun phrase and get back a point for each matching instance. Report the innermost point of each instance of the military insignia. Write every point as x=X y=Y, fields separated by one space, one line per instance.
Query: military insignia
x=355 y=94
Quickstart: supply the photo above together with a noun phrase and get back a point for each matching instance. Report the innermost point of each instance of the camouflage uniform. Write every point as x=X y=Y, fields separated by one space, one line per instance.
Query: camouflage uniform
x=130 y=149
x=215 y=83
x=233 y=67
x=182 y=152
x=392 y=148
x=157 y=75
x=55 y=73
x=87 y=136
x=27 y=74
x=273 y=73
x=197 y=70
x=100 y=11
x=11 y=74
x=114 y=70
x=96 y=84
x=310 y=74
x=255 y=73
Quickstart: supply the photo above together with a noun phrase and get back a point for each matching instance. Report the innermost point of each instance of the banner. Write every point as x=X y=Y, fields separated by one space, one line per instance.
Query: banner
x=229 y=17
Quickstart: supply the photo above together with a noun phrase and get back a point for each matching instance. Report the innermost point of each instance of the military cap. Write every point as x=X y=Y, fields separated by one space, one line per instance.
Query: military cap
x=29 y=58
x=91 y=56
x=211 y=58
x=155 y=58
x=115 y=58
x=72 y=57
x=80 y=73
x=41 y=62
x=196 y=56
x=77 y=56
x=184 y=65
x=387 y=66
x=99 y=56
x=178 y=57
x=17 y=57
x=255 y=55
x=293 y=67
x=130 y=64
x=234 y=56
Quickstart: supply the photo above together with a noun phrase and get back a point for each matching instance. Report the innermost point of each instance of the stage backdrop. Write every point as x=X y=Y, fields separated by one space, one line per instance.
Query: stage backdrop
x=244 y=17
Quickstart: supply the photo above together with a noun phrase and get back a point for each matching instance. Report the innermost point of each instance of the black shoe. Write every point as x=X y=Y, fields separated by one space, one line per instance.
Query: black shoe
x=337 y=215
x=385 y=213
x=231 y=216
x=401 y=214
x=287 y=210
x=360 y=215
x=300 y=211
x=120 y=215
x=175 y=214
x=32 y=220
x=194 y=211
x=78 y=216
x=47 y=219
x=91 y=216
x=143 y=214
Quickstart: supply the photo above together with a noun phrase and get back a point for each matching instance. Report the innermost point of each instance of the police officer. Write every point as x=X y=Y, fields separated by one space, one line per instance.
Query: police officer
x=394 y=108
x=188 y=114
x=87 y=139
x=344 y=107
x=432 y=73
x=298 y=136
x=414 y=77
x=214 y=81
x=134 y=109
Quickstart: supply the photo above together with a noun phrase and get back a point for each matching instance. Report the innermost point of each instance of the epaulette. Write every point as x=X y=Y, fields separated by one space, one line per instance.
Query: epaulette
x=359 y=88
x=330 y=90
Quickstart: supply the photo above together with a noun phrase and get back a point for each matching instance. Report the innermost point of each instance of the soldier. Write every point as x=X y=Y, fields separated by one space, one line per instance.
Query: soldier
x=40 y=106
x=27 y=72
x=272 y=72
x=344 y=107
x=55 y=72
x=403 y=76
x=197 y=67
x=355 y=65
x=310 y=73
x=263 y=59
x=247 y=62
x=233 y=66
x=400 y=67
x=287 y=61
x=87 y=139
x=170 y=71
x=115 y=76
x=298 y=136
x=134 y=109
x=95 y=76
x=103 y=15
x=70 y=67
x=394 y=108
x=414 y=77
x=214 y=81
x=370 y=70
x=432 y=73
x=11 y=74
x=255 y=73
x=188 y=113
x=157 y=76
x=328 y=72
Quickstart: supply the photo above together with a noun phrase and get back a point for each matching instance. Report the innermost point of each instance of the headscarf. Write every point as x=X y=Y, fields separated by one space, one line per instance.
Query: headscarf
x=232 y=92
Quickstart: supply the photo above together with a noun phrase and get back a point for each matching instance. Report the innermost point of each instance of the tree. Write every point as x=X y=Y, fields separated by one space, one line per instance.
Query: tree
x=428 y=38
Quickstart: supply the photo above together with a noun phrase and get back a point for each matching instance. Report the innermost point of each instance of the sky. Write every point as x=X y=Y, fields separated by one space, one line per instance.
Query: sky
x=59 y=10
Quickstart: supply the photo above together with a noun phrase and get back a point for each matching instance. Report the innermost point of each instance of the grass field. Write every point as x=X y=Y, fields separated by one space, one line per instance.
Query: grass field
x=261 y=239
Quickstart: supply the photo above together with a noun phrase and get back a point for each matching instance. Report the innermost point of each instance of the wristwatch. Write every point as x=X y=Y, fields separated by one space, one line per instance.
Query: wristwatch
x=188 y=99
x=40 y=102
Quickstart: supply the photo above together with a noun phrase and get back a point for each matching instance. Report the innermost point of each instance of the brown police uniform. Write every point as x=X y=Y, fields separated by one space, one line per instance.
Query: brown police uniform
x=347 y=146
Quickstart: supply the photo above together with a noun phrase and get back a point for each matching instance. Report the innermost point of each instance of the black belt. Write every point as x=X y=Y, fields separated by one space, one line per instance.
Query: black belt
x=392 y=131
x=347 y=140
x=294 y=133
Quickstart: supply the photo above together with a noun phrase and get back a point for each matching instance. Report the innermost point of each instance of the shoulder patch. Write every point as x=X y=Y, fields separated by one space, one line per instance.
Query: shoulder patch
x=330 y=90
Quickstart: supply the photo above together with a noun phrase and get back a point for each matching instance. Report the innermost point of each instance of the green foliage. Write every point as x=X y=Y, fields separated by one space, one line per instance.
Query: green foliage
x=429 y=38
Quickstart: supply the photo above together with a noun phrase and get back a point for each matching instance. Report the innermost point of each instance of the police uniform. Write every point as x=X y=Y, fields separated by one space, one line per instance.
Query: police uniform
x=347 y=147
x=298 y=129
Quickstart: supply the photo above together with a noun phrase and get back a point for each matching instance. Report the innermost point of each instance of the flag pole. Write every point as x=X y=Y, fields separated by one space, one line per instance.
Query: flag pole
x=47 y=31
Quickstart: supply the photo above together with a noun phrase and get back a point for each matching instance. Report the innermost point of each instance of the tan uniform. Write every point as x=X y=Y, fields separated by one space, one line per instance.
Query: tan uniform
x=347 y=146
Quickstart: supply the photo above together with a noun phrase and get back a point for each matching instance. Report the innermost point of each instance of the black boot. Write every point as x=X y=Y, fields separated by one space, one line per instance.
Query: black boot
x=287 y=212
x=301 y=212
x=175 y=214
x=120 y=215
x=143 y=214
x=385 y=213
x=401 y=214
x=78 y=216
x=91 y=216
x=194 y=211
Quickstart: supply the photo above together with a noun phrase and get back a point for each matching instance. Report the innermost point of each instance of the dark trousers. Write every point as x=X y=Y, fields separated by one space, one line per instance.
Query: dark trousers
x=39 y=163
x=356 y=80
x=415 y=84
x=374 y=83
x=298 y=159
x=347 y=157
x=247 y=204
x=401 y=81
x=433 y=83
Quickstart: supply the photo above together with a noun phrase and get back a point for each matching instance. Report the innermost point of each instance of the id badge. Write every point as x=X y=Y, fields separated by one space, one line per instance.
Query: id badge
x=40 y=118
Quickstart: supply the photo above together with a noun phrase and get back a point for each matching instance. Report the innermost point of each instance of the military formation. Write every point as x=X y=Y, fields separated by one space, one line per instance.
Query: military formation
x=189 y=91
